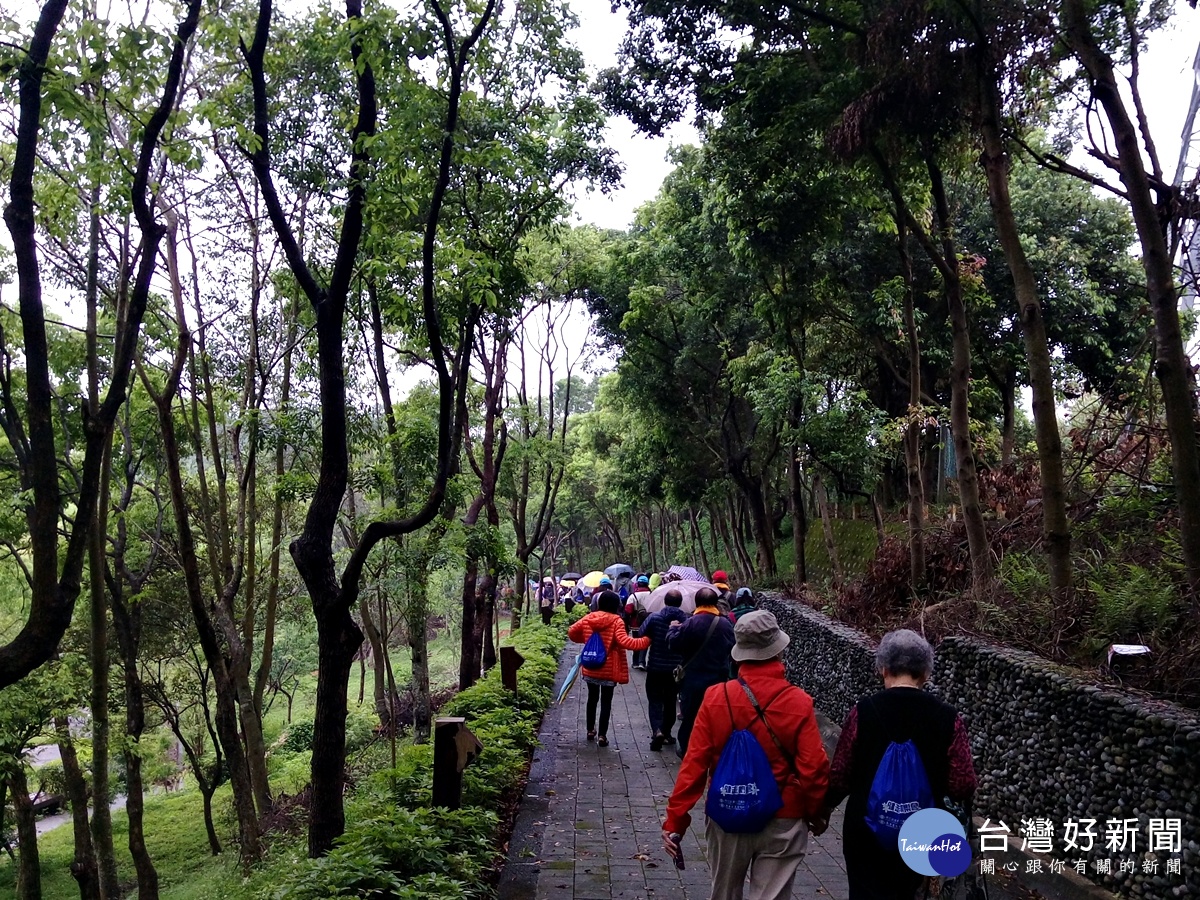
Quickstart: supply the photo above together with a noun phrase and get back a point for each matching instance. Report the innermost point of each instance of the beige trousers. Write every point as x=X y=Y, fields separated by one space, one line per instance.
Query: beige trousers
x=771 y=857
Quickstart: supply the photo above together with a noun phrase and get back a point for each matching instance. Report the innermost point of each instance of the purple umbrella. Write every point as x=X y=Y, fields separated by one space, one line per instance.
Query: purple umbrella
x=686 y=573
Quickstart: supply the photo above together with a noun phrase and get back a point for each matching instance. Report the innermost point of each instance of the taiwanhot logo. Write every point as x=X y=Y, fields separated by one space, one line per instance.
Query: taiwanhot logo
x=932 y=842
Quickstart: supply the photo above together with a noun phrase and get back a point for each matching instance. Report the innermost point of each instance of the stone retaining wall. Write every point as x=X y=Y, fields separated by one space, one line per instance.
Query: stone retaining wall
x=1047 y=745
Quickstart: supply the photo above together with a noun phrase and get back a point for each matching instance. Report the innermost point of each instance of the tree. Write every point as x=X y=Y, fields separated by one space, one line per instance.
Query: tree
x=1150 y=198
x=30 y=430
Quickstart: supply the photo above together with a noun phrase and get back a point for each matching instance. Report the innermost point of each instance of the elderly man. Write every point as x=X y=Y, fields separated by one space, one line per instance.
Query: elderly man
x=899 y=713
x=704 y=642
x=781 y=718
x=661 y=689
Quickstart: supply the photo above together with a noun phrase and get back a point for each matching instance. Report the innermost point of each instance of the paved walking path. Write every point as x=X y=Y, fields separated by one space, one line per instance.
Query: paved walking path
x=590 y=826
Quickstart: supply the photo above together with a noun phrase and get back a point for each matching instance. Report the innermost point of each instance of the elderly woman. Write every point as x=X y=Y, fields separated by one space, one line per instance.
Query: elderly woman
x=900 y=712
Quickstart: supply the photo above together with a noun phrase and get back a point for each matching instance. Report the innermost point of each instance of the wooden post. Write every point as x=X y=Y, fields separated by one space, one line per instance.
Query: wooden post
x=510 y=661
x=454 y=746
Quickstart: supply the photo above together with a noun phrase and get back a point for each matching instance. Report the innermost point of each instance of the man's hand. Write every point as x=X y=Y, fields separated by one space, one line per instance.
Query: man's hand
x=675 y=624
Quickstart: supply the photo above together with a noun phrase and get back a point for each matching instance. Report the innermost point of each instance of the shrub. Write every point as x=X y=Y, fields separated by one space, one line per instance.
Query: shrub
x=398 y=848
x=299 y=737
x=409 y=854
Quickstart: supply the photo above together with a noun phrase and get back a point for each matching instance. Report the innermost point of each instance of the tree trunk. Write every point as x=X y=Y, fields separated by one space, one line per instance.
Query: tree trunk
x=83 y=867
x=338 y=639
x=982 y=570
x=699 y=541
x=383 y=708
x=877 y=515
x=102 y=836
x=214 y=843
x=835 y=564
x=418 y=643
x=128 y=626
x=916 y=424
x=799 y=520
x=468 y=667
x=256 y=745
x=1008 y=425
x=29 y=865
x=227 y=706
x=755 y=509
x=1056 y=527
x=263 y=675
x=737 y=527
x=1171 y=363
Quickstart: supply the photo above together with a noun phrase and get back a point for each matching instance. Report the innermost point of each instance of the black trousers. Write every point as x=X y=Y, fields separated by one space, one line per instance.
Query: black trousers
x=603 y=695
x=547 y=612
x=661 y=693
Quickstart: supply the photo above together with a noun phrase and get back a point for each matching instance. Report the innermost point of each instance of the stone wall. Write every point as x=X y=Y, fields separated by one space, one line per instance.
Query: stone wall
x=1047 y=745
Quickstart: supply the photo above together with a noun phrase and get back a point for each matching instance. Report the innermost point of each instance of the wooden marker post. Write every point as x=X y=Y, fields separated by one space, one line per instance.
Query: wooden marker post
x=510 y=661
x=454 y=747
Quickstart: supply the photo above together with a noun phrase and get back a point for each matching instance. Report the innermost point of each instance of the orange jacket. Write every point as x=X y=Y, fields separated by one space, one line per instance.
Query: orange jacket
x=789 y=710
x=616 y=639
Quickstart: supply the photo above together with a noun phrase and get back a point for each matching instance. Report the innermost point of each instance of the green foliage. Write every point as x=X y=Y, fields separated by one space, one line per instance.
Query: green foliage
x=403 y=854
x=399 y=848
x=299 y=737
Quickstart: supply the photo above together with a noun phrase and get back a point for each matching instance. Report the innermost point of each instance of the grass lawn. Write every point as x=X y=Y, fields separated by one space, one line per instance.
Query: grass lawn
x=175 y=835
x=174 y=823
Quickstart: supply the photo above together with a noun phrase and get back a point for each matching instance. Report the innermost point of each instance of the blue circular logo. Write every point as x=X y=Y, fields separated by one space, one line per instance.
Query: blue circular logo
x=933 y=842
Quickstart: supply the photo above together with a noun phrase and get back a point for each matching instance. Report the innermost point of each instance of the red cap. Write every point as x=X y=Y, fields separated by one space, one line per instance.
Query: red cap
x=720 y=576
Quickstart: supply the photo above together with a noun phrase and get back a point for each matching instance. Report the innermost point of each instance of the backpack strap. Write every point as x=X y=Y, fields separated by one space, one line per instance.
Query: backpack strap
x=762 y=717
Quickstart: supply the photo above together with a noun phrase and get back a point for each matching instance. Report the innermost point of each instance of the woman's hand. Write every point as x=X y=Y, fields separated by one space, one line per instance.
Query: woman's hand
x=671 y=841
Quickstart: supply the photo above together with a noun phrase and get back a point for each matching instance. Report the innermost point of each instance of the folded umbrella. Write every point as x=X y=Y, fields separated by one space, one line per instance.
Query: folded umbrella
x=569 y=681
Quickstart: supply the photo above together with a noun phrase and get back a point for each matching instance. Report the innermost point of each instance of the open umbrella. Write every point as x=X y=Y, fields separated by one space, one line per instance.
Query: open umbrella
x=592 y=579
x=658 y=597
x=687 y=573
x=572 y=576
x=619 y=570
x=569 y=681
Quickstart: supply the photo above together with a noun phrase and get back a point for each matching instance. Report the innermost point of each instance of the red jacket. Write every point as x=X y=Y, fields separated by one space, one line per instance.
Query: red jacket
x=616 y=639
x=789 y=710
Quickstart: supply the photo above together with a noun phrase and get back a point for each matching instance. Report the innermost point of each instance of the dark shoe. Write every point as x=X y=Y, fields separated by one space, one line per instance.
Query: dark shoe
x=591 y=735
x=668 y=739
x=656 y=742
x=602 y=741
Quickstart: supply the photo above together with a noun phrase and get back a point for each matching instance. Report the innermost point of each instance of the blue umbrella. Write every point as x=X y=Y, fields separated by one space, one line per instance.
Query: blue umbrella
x=569 y=681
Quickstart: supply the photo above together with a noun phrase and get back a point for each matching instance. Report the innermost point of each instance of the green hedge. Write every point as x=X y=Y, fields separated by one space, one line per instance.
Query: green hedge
x=396 y=845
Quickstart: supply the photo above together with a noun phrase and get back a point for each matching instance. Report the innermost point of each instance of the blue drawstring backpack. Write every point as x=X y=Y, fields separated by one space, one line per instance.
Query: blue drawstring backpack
x=594 y=654
x=899 y=789
x=743 y=795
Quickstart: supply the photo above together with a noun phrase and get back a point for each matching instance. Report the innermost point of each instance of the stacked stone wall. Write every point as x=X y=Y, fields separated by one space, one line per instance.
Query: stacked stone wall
x=1047 y=743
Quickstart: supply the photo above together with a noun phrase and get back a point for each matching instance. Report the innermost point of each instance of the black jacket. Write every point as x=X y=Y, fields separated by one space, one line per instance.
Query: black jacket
x=662 y=658
x=707 y=663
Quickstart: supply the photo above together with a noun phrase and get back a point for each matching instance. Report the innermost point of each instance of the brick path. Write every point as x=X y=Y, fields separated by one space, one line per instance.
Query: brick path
x=590 y=826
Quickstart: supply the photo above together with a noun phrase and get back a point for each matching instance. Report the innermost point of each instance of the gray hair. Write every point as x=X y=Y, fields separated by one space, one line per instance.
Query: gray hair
x=905 y=652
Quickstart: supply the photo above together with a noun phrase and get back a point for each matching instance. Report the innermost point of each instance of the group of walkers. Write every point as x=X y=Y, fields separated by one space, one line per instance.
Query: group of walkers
x=683 y=654
x=726 y=668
